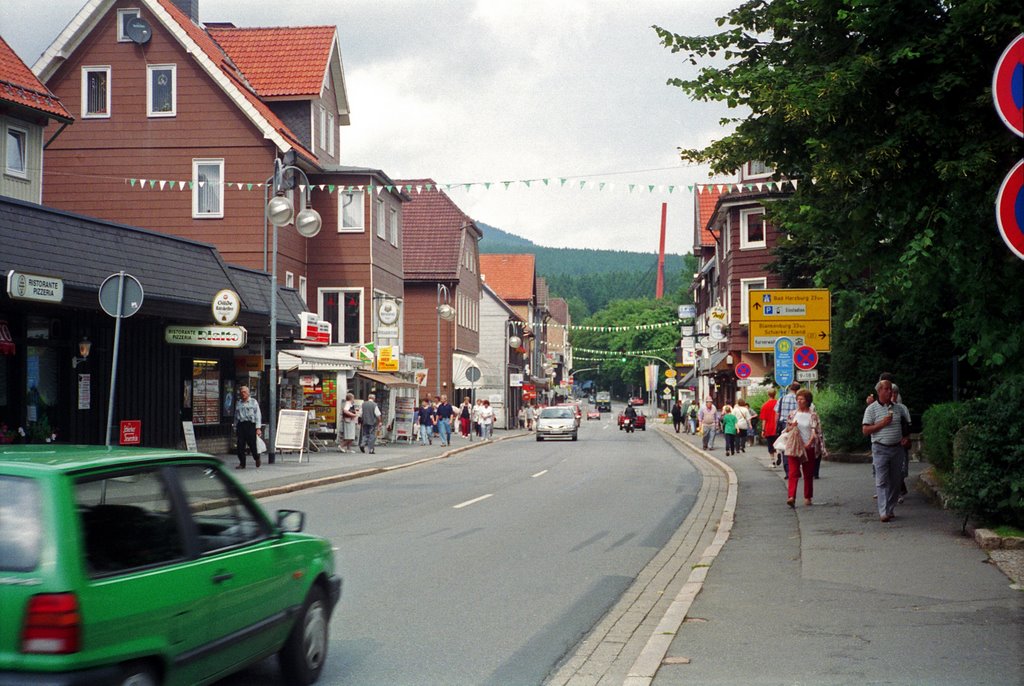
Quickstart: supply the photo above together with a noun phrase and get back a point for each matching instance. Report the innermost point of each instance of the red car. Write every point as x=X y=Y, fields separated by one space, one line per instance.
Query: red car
x=636 y=401
x=641 y=421
x=593 y=414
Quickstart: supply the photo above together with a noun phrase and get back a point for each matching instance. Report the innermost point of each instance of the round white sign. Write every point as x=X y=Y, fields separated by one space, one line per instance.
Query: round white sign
x=226 y=306
x=388 y=312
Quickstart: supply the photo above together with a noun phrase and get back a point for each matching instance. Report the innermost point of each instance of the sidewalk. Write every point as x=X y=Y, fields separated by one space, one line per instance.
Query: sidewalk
x=287 y=474
x=828 y=594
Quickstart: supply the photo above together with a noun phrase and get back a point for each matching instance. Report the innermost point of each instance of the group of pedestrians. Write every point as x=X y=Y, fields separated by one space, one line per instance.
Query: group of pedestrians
x=793 y=432
x=527 y=416
x=436 y=419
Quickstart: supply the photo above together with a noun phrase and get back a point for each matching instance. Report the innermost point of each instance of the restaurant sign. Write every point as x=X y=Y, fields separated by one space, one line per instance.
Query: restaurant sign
x=47 y=289
x=207 y=336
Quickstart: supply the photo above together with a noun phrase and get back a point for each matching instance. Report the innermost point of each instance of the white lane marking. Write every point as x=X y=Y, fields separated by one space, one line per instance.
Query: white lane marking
x=470 y=502
x=539 y=474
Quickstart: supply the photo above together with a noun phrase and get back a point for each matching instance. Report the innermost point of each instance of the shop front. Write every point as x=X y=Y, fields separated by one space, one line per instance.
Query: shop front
x=316 y=379
x=395 y=396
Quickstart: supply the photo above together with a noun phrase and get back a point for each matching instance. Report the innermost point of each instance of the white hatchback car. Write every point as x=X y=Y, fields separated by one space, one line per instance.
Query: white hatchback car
x=557 y=422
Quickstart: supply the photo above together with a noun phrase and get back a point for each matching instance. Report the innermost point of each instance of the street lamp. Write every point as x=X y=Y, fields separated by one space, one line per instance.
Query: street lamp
x=514 y=342
x=446 y=312
x=280 y=212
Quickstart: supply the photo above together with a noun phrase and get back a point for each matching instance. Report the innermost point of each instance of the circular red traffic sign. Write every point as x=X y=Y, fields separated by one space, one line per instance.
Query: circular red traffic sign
x=1010 y=210
x=742 y=370
x=805 y=357
x=1008 y=86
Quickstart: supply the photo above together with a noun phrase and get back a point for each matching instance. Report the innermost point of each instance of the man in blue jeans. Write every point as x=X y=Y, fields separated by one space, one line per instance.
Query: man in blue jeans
x=444 y=419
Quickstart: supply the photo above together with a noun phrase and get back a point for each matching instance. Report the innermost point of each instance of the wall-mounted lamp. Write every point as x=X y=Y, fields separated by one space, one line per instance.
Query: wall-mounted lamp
x=84 y=348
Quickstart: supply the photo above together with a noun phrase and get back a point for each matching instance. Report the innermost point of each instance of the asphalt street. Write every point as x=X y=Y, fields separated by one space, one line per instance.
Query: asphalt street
x=489 y=568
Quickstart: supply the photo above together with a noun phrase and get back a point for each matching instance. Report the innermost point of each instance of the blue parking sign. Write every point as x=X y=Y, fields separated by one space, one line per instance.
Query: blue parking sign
x=784 y=361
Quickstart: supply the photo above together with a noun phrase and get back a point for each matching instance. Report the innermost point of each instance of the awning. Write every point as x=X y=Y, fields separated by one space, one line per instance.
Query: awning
x=489 y=376
x=689 y=380
x=709 y=367
x=326 y=359
x=385 y=379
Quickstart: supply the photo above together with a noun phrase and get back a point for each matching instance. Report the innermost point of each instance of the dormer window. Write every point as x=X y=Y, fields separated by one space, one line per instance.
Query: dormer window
x=123 y=17
x=755 y=169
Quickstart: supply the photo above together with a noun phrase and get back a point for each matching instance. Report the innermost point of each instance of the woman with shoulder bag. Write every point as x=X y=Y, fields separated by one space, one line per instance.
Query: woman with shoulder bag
x=742 y=413
x=804 y=445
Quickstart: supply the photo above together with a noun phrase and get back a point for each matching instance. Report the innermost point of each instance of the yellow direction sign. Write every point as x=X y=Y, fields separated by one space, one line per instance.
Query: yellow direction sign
x=803 y=314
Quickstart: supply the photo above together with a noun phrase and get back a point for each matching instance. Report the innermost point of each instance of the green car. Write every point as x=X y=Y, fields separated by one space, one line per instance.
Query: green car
x=138 y=567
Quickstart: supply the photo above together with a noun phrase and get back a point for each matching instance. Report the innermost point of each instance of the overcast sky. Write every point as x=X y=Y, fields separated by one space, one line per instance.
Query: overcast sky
x=502 y=90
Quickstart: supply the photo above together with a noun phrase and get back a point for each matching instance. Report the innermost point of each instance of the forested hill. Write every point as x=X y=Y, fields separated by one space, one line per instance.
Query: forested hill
x=574 y=261
x=590 y=279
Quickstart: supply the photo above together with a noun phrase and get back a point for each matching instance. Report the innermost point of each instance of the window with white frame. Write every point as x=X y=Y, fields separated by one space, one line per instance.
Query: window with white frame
x=123 y=17
x=393 y=226
x=381 y=223
x=726 y=233
x=747 y=285
x=343 y=309
x=207 y=189
x=756 y=169
x=323 y=128
x=330 y=133
x=289 y=280
x=16 y=141
x=350 y=214
x=162 y=90
x=752 y=229
x=95 y=92
x=302 y=289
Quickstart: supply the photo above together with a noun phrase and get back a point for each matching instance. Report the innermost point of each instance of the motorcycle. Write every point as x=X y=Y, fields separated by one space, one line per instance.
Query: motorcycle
x=627 y=425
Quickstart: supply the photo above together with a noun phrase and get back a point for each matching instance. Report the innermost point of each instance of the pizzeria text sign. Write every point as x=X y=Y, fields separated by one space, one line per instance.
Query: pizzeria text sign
x=208 y=336
x=21 y=286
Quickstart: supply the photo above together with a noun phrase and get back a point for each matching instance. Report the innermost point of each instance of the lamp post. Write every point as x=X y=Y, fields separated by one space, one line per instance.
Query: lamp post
x=280 y=212
x=513 y=342
x=446 y=312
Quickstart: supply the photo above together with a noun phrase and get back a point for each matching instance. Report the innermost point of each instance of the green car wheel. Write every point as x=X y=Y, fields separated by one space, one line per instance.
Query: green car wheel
x=303 y=655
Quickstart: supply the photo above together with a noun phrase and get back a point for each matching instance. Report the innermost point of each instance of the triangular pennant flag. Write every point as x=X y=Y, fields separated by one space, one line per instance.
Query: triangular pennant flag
x=600 y=186
x=527 y=183
x=563 y=181
x=379 y=188
x=468 y=186
x=670 y=189
x=545 y=181
x=131 y=183
x=239 y=185
x=302 y=188
x=506 y=184
x=152 y=183
x=650 y=189
x=360 y=188
x=162 y=184
x=582 y=184
x=330 y=188
x=322 y=186
x=793 y=181
x=248 y=186
x=418 y=189
x=202 y=184
x=631 y=187
x=390 y=188
x=142 y=184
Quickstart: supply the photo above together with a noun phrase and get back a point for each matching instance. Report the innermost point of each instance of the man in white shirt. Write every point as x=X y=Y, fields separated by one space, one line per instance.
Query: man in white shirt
x=882 y=422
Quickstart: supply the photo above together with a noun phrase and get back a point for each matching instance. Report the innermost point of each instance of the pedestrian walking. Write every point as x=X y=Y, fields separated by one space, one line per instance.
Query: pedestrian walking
x=444 y=412
x=349 y=423
x=486 y=420
x=369 y=417
x=769 y=431
x=729 y=421
x=743 y=423
x=521 y=417
x=808 y=445
x=883 y=422
x=531 y=415
x=785 y=407
x=708 y=418
x=425 y=418
x=465 y=417
x=691 y=416
x=677 y=415
x=475 y=412
x=248 y=423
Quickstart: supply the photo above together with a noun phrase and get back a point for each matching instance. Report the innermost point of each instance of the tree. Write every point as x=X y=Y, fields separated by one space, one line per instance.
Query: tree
x=882 y=114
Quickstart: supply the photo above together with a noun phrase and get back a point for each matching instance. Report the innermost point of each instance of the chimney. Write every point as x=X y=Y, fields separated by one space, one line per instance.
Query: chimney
x=189 y=7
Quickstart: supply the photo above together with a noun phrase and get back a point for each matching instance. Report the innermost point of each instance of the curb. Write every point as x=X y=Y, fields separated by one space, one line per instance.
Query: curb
x=361 y=473
x=647 y=664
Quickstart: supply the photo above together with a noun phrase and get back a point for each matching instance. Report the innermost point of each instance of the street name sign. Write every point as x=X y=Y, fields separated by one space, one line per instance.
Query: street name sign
x=801 y=314
x=783 y=361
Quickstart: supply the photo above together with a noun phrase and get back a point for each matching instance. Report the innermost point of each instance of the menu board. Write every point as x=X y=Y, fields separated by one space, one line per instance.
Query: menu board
x=291 y=430
x=205 y=393
x=405 y=406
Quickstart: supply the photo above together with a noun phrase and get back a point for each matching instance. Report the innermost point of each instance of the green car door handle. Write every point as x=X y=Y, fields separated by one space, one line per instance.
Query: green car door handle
x=221 y=577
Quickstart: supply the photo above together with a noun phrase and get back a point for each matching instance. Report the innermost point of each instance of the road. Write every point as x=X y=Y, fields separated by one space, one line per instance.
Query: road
x=489 y=567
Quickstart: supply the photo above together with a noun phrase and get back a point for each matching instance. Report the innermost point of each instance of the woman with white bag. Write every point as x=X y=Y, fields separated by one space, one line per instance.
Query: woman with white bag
x=802 y=443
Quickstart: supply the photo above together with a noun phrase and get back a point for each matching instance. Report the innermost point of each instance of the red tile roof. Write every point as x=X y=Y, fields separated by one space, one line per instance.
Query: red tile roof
x=510 y=276
x=559 y=310
x=431 y=233
x=707 y=197
x=233 y=72
x=20 y=86
x=279 y=61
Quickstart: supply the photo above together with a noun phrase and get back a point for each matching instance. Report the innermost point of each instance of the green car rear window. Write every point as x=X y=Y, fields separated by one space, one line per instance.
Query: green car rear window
x=20 y=524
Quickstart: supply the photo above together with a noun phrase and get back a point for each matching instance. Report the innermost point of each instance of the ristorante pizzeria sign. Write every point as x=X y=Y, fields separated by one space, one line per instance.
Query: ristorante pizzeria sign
x=209 y=336
x=48 y=289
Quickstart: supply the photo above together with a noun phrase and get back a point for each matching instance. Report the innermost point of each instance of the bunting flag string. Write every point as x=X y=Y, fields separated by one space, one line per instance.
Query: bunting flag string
x=577 y=327
x=619 y=353
x=530 y=184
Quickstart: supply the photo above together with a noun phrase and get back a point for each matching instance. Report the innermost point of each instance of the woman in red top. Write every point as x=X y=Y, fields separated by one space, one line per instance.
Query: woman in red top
x=769 y=431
